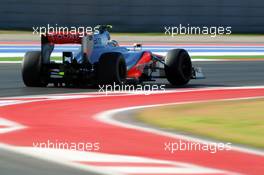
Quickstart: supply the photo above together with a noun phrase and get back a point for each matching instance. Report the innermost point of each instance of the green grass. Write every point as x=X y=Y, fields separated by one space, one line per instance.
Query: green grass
x=20 y=58
x=11 y=59
x=240 y=121
x=15 y=32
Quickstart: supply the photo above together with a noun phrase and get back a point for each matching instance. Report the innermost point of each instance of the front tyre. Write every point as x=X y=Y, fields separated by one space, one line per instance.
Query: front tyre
x=178 y=67
x=111 y=68
x=31 y=70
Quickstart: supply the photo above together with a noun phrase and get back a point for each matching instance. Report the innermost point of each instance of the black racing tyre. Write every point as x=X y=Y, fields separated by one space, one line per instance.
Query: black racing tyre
x=111 y=68
x=178 y=67
x=31 y=70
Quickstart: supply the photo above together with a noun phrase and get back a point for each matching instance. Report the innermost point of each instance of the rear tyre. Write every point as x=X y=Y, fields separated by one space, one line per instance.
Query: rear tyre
x=31 y=70
x=178 y=67
x=111 y=68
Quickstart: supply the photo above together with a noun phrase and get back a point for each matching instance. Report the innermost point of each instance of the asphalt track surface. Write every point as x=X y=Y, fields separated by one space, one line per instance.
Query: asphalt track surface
x=220 y=74
x=18 y=164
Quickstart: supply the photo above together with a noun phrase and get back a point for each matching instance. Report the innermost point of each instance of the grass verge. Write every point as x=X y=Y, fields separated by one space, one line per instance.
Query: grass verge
x=21 y=58
x=240 y=121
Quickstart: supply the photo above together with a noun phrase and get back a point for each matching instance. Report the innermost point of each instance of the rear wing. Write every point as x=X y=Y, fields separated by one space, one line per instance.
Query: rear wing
x=49 y=40
x=61 y=38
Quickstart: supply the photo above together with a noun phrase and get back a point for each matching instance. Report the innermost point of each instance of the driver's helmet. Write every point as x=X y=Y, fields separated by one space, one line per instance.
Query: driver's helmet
x=113 y=43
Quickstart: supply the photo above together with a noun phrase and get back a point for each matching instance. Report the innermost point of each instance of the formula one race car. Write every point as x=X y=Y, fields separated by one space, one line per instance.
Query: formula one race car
x=101 y=60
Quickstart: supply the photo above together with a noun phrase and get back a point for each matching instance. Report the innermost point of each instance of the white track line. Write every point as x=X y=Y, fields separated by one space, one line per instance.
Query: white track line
x=84 y=160
x=74 y=95
x=50 y=156
x=9 y=126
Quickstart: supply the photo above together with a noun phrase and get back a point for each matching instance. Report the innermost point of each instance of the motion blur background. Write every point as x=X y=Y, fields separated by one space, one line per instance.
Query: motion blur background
x=134 y=15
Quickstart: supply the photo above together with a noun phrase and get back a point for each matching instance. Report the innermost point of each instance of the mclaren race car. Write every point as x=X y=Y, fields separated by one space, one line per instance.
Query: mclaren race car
x=101 y=60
